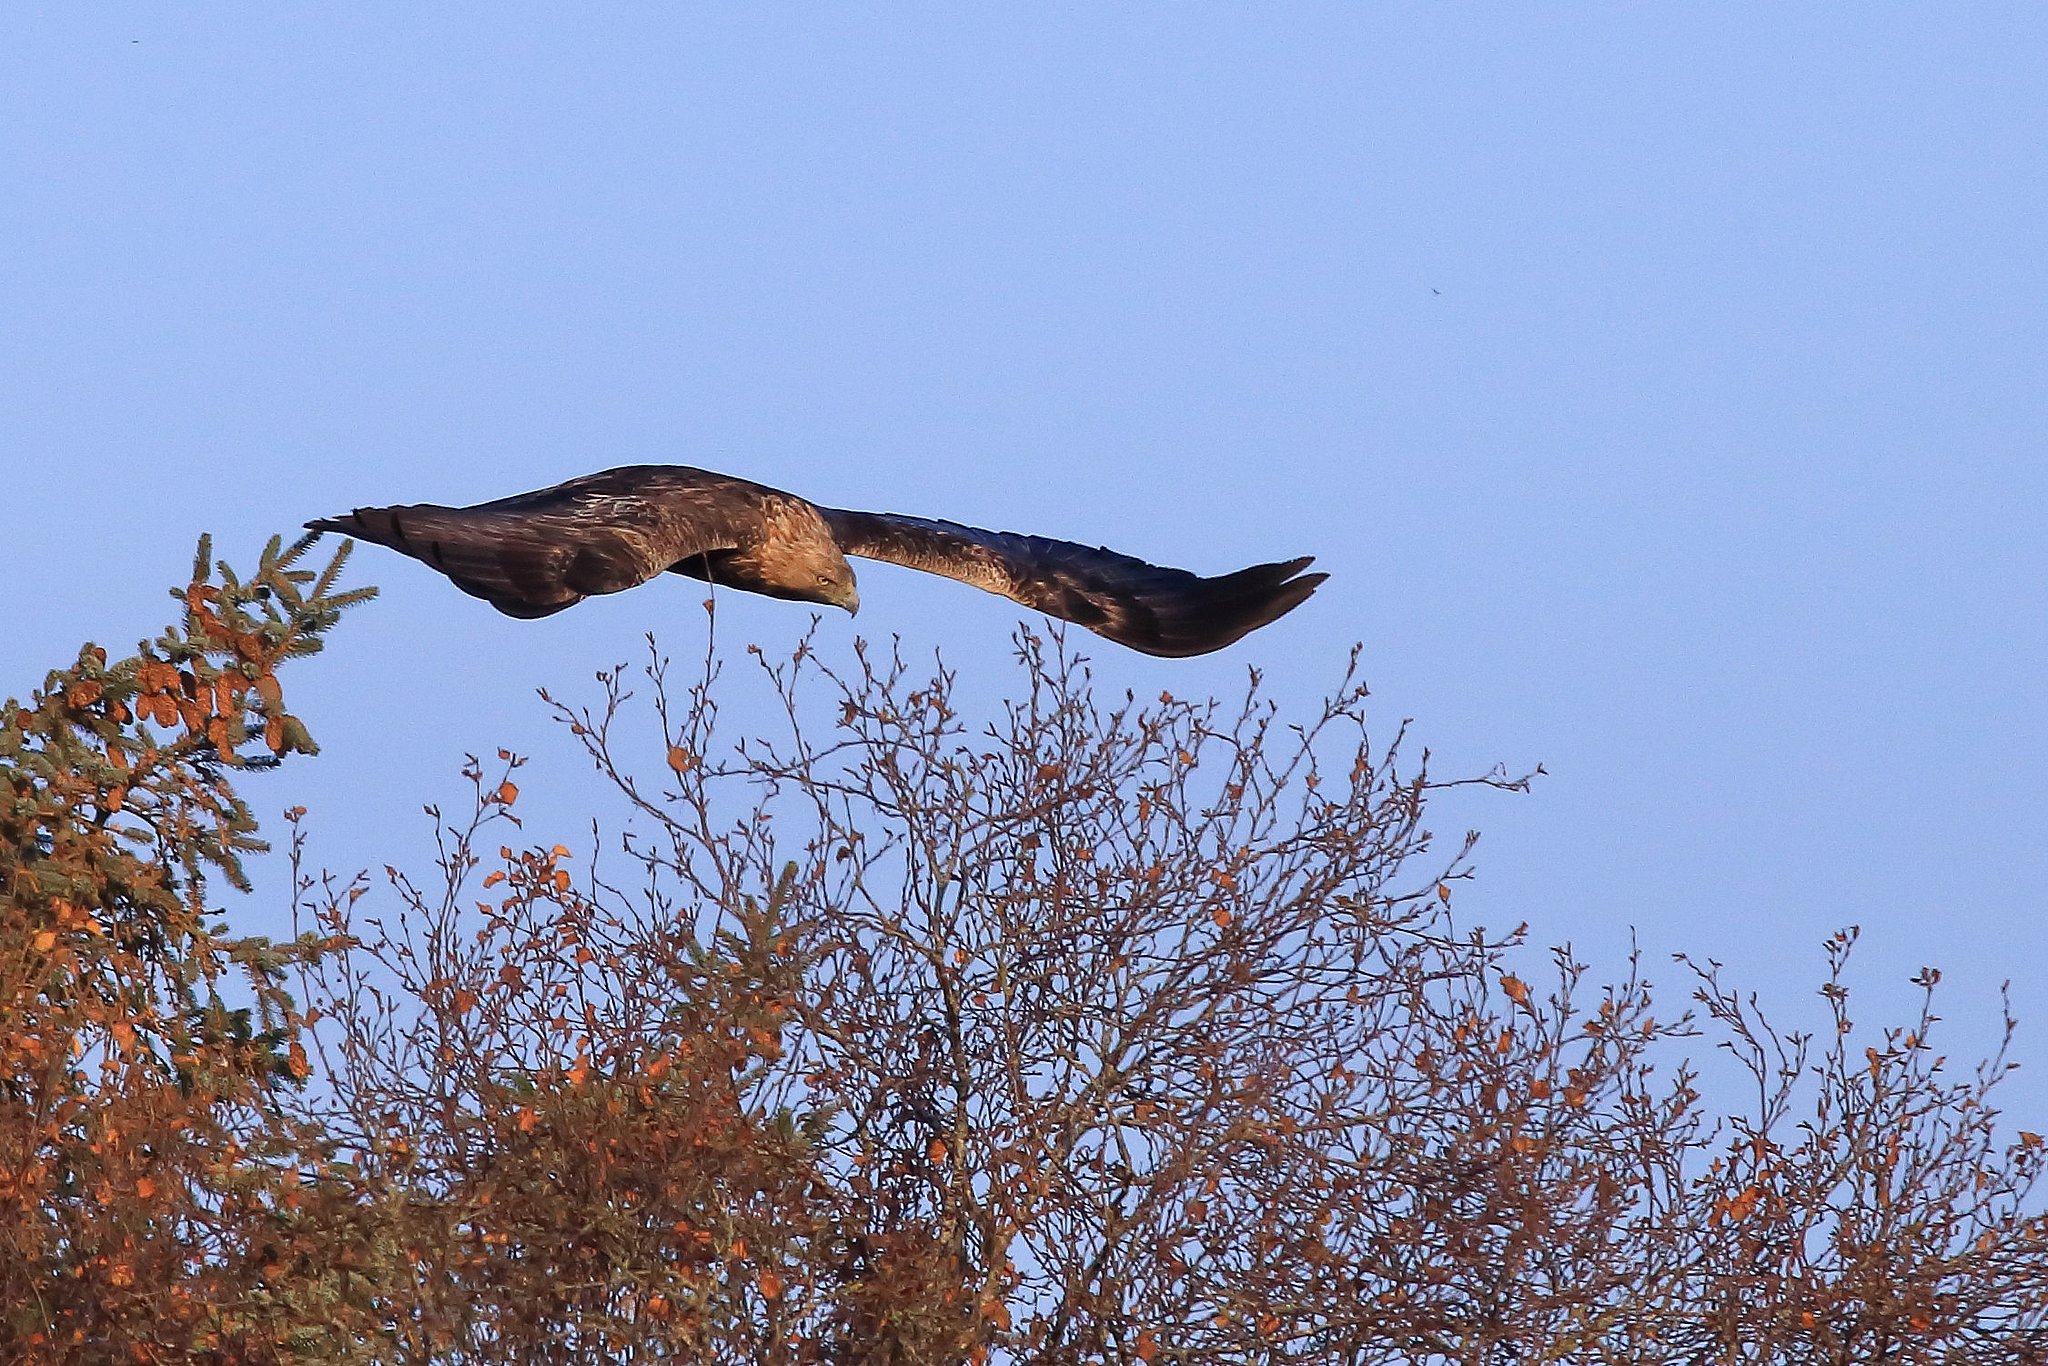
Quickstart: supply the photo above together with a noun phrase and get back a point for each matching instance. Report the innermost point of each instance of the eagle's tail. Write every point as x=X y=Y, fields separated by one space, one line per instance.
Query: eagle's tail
x=519 y=585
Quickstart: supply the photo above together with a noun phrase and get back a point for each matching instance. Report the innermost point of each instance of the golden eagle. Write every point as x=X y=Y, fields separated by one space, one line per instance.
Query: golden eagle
x=536 y=553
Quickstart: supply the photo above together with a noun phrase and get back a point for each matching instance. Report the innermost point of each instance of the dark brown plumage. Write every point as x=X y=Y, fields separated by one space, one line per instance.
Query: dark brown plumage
x=536 y=553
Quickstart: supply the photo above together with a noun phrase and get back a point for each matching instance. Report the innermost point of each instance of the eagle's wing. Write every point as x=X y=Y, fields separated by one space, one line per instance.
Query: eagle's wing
x=1157 y=610
x=533 y=554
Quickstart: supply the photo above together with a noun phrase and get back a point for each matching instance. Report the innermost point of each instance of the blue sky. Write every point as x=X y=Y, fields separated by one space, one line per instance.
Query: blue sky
x=1662 y=386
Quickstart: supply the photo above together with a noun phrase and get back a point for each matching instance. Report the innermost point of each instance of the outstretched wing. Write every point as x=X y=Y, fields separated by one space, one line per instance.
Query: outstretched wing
x=533 y=554
x=1145 y=606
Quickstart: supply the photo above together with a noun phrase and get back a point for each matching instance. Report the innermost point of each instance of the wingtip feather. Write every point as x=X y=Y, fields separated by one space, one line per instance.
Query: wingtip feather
x=1225 y=609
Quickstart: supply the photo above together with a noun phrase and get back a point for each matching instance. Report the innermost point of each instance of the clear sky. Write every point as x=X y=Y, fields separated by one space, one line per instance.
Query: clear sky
x=1662 y=386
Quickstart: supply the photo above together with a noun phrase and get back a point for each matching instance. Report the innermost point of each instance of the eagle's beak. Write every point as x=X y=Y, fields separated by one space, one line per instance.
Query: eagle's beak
x=852 y=603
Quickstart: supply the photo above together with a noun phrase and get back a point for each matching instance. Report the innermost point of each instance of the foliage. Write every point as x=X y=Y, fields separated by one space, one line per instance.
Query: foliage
x=148 y=1139
x=1104 y=1031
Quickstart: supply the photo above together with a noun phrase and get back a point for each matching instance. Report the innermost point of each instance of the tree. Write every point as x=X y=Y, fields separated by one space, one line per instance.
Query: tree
x=150 y=1145
x=1099 y=1030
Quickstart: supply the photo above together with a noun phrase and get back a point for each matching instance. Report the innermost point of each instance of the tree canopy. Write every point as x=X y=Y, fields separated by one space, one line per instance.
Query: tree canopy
x=1085 y=1028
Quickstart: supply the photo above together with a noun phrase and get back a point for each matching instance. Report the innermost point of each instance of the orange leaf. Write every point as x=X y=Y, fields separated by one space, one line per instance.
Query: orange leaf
x=1517 y=990
x=770 y=1284
x=937 y=1152
x=680 y=759
x=145 y=1187
x=1221 y=917
x=507 y=792
x=155 y=676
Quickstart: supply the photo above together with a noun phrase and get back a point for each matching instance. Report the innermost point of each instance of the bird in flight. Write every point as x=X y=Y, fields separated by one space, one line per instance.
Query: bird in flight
x=533 y=554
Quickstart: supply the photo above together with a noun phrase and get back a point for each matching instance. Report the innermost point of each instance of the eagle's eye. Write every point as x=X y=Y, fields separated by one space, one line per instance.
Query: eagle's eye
x=824 y=580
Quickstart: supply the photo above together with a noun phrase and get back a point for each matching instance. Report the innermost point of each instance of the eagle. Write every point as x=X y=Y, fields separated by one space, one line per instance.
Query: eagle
x=534 y=554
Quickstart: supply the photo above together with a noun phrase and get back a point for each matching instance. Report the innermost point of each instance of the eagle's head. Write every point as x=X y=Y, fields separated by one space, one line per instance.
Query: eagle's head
x=832 y=583
x=797 y=559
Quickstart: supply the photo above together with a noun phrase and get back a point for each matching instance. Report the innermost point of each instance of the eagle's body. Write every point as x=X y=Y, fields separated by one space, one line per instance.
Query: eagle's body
x=534 y=554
